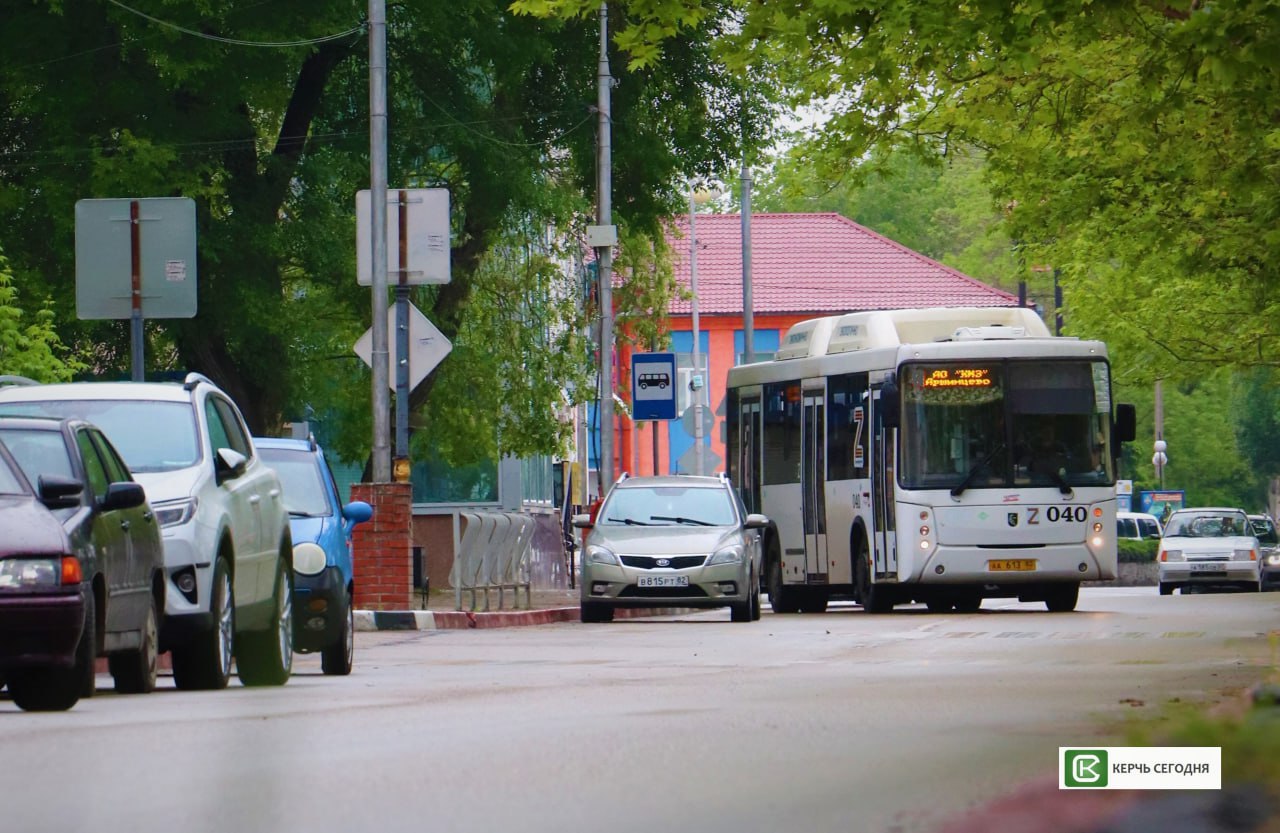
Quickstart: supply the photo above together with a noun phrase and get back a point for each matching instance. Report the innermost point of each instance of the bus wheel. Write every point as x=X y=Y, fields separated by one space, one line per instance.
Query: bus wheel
x=781 y=598
x=939 y=605
x=874 y=599
x=968 y=603
x=1062 y=599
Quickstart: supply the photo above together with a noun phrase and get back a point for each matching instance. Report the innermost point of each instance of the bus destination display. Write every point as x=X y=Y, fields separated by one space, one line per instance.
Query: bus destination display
x=959 y=377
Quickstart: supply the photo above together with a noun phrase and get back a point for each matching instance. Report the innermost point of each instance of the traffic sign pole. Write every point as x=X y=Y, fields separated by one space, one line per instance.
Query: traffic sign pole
x=136 y=341
x=400 y=471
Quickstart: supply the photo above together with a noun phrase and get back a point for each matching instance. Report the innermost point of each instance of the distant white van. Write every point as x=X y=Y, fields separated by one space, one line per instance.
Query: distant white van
x=1137 y=526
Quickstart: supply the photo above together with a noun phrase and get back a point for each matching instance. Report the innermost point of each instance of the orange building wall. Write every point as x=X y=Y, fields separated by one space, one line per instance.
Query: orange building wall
x=634 y=446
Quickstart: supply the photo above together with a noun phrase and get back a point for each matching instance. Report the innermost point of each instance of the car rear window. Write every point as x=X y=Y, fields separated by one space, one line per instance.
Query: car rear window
x=150 y=435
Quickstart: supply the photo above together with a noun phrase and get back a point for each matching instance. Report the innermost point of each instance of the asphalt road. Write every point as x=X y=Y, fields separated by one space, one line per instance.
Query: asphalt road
x=836 y=722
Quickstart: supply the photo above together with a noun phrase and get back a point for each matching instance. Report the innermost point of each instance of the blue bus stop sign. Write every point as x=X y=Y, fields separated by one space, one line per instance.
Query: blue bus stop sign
x=653 y=386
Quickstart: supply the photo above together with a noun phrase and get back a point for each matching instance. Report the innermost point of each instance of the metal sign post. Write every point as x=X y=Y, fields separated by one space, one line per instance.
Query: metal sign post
x=417 y=253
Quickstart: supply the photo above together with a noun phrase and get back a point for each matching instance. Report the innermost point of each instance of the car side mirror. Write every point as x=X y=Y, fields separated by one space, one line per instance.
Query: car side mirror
x=582 y=521
x=124 y=494
x=57 y=492
x=229 y=464
x=1126 y=425
x=756 y=521
x=357 y=512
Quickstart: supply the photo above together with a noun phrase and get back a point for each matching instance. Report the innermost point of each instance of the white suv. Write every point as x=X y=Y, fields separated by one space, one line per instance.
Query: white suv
x=227 y=550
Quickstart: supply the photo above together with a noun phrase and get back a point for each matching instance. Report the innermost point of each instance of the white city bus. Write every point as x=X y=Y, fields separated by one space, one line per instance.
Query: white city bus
x=937 y=455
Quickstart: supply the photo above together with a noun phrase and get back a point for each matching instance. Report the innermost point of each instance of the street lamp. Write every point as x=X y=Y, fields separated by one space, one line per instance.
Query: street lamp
x=697 y=383
x=1159 y=459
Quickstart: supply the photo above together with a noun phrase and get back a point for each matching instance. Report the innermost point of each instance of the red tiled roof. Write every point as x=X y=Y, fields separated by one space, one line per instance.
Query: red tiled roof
x=819 y=263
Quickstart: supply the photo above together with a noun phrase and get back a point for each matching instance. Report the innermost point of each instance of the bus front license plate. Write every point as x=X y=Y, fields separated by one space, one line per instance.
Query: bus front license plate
x=1012 y=565
x=663 y=581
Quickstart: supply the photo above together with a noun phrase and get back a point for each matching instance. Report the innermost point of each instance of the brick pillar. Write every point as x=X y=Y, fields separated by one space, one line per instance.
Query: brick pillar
x=382 y=549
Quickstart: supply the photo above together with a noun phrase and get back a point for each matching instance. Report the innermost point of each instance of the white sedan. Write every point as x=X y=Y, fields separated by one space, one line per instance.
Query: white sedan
x=1209 y=547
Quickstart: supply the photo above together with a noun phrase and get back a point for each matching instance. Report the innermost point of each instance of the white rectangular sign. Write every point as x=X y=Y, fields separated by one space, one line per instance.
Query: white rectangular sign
x=426 y=228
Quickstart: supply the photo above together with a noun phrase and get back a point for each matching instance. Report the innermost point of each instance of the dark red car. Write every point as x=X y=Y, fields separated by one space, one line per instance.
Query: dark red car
x=81 y=565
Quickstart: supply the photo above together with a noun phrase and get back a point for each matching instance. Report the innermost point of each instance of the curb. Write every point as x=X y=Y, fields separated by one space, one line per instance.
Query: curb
x=430 y=620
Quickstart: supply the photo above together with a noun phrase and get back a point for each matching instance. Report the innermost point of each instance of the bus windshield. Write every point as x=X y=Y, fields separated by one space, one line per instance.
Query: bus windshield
x=1006 y=424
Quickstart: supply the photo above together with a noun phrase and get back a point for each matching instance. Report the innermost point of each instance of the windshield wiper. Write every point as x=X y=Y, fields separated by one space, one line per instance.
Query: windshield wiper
x=959 y=488
x=297 y=513
x=680 y=520
x=627 y=521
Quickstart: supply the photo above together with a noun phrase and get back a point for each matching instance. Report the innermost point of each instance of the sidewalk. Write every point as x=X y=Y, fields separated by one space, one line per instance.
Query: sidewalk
x=439 y=613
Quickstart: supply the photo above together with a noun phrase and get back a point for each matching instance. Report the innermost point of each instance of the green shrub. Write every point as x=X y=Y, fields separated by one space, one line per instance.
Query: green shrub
x=1137 y=552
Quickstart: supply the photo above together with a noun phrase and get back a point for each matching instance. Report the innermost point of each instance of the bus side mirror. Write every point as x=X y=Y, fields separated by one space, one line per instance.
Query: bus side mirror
x=1126 y=424
x=890 y=414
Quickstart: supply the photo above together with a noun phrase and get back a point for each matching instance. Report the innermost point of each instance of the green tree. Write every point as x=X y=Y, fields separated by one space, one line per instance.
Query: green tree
x=1255 y=406
x=29 y=344
x=1133 y=145
x=1206 y=457
x=272 y=143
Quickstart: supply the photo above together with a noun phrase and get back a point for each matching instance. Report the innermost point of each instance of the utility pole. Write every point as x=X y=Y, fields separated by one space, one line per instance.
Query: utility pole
x=748 y=314
x=379 y=356
x=695 y=382
x=604 y=253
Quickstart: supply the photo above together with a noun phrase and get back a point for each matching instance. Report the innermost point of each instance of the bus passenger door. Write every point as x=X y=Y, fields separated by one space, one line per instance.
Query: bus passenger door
x=750 y=446
x=813 y=480
x=883 y=464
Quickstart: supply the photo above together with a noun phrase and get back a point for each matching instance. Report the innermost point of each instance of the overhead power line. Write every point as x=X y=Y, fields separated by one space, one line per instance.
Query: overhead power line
x=235 y=41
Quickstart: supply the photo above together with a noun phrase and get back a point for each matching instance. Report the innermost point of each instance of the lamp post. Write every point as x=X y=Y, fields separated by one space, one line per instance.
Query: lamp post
x=1159 y=459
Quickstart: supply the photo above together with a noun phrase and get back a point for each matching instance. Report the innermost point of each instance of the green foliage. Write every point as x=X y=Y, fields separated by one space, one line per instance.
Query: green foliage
x=29 y=344
x=645 y=297
x=272 y=144
x=1133 y=146
x=520 y=346
x=1255 y=406
x=1199 y=427
x=1137 y=552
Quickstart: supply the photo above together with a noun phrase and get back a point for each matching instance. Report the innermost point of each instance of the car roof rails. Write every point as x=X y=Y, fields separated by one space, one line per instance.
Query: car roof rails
x=9 y=379
x=311 y=442
x=193 y=379
x=623 y=476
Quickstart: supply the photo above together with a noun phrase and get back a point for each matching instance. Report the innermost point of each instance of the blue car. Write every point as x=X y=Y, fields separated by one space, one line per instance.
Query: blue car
x=323 y=617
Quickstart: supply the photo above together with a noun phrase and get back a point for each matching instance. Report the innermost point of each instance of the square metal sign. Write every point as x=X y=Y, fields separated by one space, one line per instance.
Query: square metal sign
x=166 y=251
x=653 y=386
x=423 y=216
